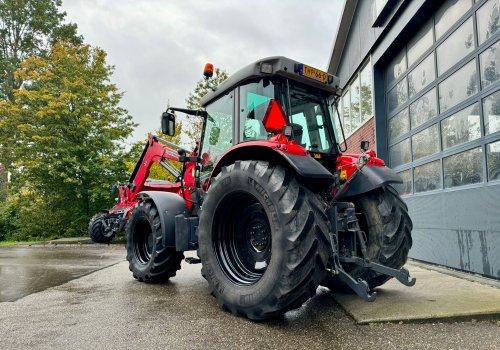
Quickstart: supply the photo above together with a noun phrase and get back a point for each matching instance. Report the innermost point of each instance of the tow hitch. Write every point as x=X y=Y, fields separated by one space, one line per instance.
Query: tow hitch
x=347 y=223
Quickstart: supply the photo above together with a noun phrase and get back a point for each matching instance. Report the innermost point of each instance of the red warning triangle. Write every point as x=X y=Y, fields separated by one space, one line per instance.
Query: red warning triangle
x=274 y=119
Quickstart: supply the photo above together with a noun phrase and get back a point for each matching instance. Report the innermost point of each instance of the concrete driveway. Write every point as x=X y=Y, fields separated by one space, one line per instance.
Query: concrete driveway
x=108 y=309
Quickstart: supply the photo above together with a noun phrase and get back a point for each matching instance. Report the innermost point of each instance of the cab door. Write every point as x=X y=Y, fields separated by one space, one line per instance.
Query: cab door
x=219 y=136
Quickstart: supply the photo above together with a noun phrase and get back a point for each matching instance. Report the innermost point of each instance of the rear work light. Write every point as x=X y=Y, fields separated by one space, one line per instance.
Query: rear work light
x=266 y=68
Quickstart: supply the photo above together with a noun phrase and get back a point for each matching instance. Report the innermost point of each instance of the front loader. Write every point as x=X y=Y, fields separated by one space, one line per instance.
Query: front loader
x=272 y=206
x=106 y=224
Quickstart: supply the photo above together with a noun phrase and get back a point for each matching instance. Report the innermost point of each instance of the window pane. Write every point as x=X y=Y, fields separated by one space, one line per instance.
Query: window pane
x=493 y=150
x=488 y=20
x=355 y=110
x=488 y=62
x=423 y=109
x=335 y=120
x=422 y=75
x=396 y=68
x=420 y=43
x=219 y=132
x=400 y=153
x=405 y=187
x=308 y=119
x=459 y=86
x=399 y=124
x=425 y=142
x=455 y=47
x=427 y=177
x=346 y=106
x=254 y=100
x=491 y=110
x=397 y=96
x=366 y=92
x=461 y=127
x=463 y=168
x=449 y=13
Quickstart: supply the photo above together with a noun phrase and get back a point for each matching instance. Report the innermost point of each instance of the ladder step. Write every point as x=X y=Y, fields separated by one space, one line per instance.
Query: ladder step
x=192 y=260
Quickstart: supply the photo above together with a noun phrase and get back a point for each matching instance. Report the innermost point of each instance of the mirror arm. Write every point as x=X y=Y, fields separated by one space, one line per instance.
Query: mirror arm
x=195 y=112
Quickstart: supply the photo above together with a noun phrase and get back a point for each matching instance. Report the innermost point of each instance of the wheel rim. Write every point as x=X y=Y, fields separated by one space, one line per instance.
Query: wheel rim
x=242 y=238
x=143 y=241
x=107 y=229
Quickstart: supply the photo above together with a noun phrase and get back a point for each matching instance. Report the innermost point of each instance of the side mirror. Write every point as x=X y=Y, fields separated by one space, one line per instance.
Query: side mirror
x=365 y=145
x=168 y=123
x=214 y=135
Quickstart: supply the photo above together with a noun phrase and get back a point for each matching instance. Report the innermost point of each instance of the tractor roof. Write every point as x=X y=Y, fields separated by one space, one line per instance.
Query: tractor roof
x=277 y=66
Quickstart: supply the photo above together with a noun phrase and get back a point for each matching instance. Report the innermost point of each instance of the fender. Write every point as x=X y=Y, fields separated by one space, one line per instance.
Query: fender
x=369 y=178
x=169 y=205
x=314 y=174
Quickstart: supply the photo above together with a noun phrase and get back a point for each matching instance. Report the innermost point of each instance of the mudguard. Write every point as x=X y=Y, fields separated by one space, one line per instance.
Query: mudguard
x=169 y=205
x=307 y=168
x=368 y=179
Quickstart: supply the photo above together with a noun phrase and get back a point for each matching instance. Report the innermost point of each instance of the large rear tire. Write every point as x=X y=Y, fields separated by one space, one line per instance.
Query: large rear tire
x=149 y=259
x=262 y=240
x=387 y=225
x=100 y=228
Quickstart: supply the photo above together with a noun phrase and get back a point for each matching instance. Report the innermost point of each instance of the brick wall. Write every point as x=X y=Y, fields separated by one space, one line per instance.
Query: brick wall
x=365 y=133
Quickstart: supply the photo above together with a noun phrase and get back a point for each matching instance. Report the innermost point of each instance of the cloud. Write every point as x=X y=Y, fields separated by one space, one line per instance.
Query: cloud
x=159 y=47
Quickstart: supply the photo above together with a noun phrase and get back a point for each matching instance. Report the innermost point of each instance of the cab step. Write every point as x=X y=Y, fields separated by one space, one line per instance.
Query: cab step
x=192 y=260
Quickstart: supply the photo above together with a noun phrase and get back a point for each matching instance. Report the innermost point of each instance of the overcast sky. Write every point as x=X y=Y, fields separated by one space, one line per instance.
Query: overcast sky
x=159 y=47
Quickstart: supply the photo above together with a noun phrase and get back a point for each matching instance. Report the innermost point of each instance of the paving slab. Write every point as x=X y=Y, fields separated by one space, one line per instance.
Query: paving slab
x=436 y=296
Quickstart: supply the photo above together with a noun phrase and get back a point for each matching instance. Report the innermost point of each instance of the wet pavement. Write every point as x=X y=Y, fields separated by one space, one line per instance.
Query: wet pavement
x=109 y=309
x=30 y=269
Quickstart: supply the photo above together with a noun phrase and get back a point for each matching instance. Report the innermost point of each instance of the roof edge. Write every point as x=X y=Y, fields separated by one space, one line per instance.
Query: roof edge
x=343 y=30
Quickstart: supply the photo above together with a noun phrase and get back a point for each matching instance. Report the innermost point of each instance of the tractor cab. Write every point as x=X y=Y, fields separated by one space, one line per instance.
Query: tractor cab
x=266 y=99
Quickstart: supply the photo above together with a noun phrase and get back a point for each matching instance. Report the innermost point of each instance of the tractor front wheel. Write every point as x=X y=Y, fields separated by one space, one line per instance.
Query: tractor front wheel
x=262 y=240
x=149 y=260
x=100 y=228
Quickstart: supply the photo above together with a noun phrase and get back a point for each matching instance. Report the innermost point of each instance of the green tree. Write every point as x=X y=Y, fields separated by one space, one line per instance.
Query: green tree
x=28 y=28
x=203 y=86
x=64 y=130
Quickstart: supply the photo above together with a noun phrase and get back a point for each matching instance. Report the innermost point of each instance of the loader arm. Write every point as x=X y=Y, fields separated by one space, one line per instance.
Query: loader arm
x=154 y=152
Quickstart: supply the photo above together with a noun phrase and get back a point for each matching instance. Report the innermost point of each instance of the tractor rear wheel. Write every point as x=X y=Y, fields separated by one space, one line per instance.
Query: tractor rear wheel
x=387 y=225
x=149 y=260
x=100 y=228
x=262 y=240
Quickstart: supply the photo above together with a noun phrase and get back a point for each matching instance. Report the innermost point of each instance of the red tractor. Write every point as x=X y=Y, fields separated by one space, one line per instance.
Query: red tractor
x=268 y=200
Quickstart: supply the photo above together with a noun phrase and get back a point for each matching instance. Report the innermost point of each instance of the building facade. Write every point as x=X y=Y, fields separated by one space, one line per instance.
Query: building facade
x=421 y=80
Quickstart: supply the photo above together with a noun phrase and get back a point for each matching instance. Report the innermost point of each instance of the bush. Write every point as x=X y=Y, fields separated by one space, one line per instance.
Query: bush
x=8 y=216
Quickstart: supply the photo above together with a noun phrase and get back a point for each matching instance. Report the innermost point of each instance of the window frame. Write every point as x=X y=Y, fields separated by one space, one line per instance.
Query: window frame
x=347 y=90
x=478 y=97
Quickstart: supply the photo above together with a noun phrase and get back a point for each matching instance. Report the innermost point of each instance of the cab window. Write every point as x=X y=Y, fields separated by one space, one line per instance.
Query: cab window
x=218 y=136
x=254 y=100
x=309 y=121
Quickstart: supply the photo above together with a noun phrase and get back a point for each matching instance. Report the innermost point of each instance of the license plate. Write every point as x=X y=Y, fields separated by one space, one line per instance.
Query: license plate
x=314 y=73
